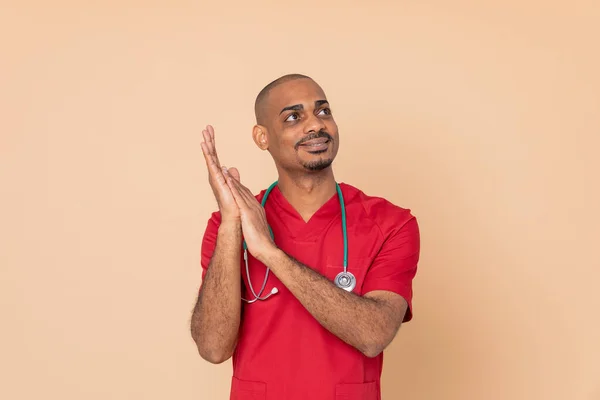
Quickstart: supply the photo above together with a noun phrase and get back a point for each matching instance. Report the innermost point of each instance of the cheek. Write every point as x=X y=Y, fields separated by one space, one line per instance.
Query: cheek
x=282 y=148
x=287 y=140
x=332 y=128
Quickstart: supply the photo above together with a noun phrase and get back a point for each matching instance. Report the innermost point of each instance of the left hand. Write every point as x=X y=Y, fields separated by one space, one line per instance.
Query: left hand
x=255 y=227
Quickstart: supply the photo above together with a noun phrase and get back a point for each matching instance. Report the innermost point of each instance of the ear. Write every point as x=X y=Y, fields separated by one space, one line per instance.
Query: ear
x=259 y=134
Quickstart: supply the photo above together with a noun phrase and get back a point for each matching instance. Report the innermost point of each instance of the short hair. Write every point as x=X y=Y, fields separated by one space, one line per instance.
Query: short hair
x=265 y=92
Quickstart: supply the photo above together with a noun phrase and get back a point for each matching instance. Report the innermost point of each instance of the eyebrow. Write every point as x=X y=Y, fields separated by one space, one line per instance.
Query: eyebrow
x=298 y=107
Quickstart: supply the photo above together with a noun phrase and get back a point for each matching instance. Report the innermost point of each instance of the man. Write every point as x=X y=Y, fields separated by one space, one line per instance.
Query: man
x=313 y=329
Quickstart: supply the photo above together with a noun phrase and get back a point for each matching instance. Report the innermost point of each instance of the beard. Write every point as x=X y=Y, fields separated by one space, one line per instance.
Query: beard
x=318 y=165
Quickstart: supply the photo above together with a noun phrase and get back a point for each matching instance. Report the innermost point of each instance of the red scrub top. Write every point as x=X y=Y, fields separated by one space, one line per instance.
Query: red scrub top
x=283 y=353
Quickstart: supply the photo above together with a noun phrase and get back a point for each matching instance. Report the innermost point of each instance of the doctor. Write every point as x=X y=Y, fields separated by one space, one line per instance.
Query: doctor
x=306 y=283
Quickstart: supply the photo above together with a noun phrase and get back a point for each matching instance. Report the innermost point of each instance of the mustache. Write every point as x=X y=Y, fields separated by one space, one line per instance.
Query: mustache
x=314 y=135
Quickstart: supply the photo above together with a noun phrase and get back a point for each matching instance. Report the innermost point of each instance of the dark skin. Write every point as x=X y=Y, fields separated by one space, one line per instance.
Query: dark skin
x=291 y=113
x=216 y=316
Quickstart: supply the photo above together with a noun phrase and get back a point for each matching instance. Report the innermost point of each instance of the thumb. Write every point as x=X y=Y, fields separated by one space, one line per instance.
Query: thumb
x=234 y=173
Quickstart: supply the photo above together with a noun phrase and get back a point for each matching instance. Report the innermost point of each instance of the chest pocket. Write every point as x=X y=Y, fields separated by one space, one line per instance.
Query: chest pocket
x=247 y=390
x=358 y=266
x=357 y=391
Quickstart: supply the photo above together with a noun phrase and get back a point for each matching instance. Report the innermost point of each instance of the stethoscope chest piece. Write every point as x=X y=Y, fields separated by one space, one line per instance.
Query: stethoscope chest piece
x=345 y=280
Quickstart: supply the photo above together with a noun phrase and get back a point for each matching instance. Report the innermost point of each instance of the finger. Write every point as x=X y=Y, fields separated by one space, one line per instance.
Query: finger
x=245 y=193
x=210 y=161
x=211 y=131
x=239 y=199
x=207 y=141
x=208 y=138
x=213 y=147
x=214 y=171
x=210 y=149
x=235 y=174
x=207 y=157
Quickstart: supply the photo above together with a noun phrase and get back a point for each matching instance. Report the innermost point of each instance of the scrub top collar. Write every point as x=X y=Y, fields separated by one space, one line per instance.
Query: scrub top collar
x=321 y=218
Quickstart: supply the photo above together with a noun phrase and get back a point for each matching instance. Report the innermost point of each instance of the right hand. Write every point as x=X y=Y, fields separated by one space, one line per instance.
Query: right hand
x=225 y=200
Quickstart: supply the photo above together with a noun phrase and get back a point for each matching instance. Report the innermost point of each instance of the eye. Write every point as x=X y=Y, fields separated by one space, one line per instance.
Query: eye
x=292 y=117
x=325 y=111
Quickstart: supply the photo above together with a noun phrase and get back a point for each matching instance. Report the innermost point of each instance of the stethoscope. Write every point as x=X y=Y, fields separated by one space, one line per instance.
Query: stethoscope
x=344 y=280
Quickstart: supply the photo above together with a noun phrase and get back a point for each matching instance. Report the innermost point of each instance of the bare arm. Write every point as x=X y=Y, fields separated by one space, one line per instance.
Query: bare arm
x=216 y=317
x=368 y=323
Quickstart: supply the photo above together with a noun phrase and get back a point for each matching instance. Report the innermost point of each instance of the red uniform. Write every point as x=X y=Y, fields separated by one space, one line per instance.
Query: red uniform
x=283 y=353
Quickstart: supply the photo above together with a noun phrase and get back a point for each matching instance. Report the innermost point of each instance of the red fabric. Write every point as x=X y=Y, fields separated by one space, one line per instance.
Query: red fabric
x=283 y=352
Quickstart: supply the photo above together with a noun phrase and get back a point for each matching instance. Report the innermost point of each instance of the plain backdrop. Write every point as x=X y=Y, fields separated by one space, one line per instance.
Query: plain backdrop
x=483 y=118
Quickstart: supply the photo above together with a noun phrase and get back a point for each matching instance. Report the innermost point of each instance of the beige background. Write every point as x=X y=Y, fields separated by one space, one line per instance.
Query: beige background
x=482 y=117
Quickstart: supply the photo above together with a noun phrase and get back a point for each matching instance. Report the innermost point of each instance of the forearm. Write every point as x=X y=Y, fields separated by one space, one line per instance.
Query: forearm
x=365 y=323
x=216 y=317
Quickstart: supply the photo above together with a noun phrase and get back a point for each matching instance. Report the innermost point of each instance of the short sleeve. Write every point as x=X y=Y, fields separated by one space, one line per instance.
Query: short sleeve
x=209 y=241
x=395 y=266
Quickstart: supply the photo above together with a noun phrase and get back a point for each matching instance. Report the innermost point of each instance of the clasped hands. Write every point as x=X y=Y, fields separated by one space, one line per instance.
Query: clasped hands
x=237 y=204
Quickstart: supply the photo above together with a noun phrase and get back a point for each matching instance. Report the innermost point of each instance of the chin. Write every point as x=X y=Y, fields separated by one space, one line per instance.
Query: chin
x=317 y=165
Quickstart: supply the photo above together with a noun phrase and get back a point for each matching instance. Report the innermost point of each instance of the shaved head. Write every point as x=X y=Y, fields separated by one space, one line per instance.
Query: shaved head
x=294 y=123
x=264 y=93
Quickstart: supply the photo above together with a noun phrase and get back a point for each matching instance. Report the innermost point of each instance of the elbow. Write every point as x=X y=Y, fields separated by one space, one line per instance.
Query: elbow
x=214 y=356
x=372 y=351
x=213 y=349
x=377 y=342
x=373 y=348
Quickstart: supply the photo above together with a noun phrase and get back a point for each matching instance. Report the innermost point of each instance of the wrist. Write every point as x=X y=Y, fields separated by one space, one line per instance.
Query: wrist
x=230 y=227
x=270 y=255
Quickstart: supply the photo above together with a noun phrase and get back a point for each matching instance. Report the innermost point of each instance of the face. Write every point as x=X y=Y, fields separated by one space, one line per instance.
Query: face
x=299 y=130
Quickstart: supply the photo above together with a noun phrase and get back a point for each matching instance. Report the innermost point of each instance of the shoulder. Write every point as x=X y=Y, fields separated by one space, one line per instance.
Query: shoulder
x=388 y=216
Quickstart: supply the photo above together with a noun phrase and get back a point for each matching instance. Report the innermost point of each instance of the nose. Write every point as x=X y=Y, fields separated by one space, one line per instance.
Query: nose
x=313 y=124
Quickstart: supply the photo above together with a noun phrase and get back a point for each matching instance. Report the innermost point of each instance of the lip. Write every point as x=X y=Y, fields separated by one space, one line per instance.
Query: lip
x=315 y=142
x=315 y=146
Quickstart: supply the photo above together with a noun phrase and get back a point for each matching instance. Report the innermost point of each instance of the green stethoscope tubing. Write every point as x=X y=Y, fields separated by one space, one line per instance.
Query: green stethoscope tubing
x=344 y=280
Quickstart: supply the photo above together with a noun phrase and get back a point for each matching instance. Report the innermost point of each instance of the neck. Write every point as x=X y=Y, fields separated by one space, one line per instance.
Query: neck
x=307 y=192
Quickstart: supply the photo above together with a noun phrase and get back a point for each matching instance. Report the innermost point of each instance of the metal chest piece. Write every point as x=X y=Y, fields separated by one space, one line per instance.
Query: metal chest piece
x=345 y=280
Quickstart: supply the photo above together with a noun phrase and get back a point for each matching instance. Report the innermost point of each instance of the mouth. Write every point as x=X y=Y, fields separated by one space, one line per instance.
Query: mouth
x=315 y=146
